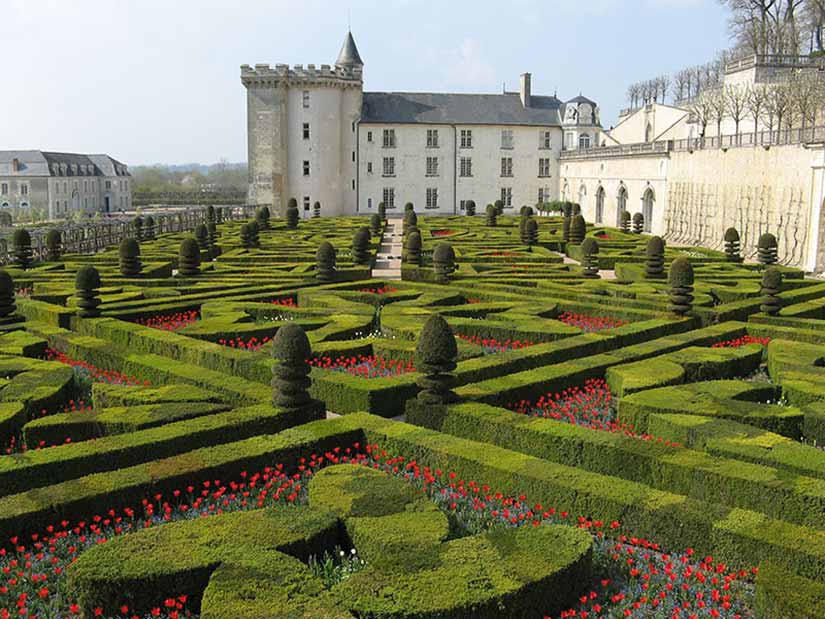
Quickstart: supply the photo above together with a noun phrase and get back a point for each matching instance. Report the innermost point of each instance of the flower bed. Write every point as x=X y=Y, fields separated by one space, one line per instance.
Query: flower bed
x=170 y=322
x=364 y=366
x=288 y=302
x=492 y=346
x=589 y=324
x=94 y=373
x=440 y=233
x=742 y=341
x=252 y=344
x=381 y=290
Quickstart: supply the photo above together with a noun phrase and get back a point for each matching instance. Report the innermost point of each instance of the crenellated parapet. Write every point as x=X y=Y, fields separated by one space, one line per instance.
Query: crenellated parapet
x=263 y=75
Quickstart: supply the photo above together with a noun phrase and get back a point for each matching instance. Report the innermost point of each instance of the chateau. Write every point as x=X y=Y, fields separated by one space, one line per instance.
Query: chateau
x=316 y=136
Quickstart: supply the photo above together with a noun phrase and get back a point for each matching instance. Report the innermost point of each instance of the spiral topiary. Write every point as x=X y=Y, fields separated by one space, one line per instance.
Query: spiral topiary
x=771 y=287
x=202 y=237
x=638 y=223
x=292 y=216
x=382 y=211
x=470 y=208
x=54 y=244
x=361 y=246
x=375 y=223
x=325 y=262
x=211 y=215
x=655 y=258
x=732 y=245
x=137 y=227
x=212 y=229
x=590 y=258
x=680 y=279
x=625 y=219
x=531 y=233
x=149 y=228
x=767 y=250
x=247 y=239
x=412 y=249
x=87 y=285
x=189 y=258
x=578 y=228
x=7 y=305
x=436 y=354
x=316 y=210
x=499 y=204
x=22 y=242
x=491 y=216
x=129 y=257
x=290 y=374
x=443 y=262
x=262 y=216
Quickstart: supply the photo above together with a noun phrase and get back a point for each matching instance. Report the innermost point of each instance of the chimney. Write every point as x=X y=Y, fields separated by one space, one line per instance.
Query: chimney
x=524 y=91
x=15 y=165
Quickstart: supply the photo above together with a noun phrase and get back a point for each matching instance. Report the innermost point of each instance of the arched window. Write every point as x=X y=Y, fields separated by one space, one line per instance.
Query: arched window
x=647 y=209
x=4 y=205
x=584 y=141
x=649 y=133
x=565 y=192
x=583 y=197
x=599 y=205
x=621 y=205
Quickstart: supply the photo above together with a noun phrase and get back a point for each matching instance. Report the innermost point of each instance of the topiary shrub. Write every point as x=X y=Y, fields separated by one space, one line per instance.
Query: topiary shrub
x=22 y=242
x=202 y=237
x=382 y=211
x=771 y=287
x=7 y=305
x=436 y=354
x=526 y=211
x=680 y=279
x=292 y=216
x=290 y=374
x=576 y=209
x=254 y=230
x=375 y=223
x=247 y=238
x=767 y=250
x=470 y=208
x=732 y=245
x=409 y=206
x=54 y=244
x=129 y=258
x=189 y=258
x=625 y=219
x=590 y=258
x=578 y=228
x=212 y=229
x=137 y=227
x=491 y=216
x=211 y=215
x=531 y=233
x=410 y=221
x=443 y=262
x=638 y=223
x=262 y=216
x=87 y=285
x=412 y=249
x=522 y=233
x=565 y=229
x=149 y=228
x=499 y=204
x=316 y=210
x=655 y=258
x=325 y=262
x=6 y=220
x=361 y=246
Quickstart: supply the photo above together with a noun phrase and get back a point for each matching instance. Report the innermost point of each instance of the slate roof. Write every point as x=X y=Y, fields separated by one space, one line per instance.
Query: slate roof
x=349 y=53
x=39 y=163
x=458 y=109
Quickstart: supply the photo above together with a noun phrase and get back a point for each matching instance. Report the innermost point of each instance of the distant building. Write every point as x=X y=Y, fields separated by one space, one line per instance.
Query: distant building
x=63 y=183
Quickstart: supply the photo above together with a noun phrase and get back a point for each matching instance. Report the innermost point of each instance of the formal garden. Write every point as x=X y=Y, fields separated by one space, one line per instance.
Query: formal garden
x=540 y=418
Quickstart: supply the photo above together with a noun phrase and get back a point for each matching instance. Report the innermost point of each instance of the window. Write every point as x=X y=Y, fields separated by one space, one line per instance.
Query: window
x=506 y=166
x=432 y=197
x=353 y=184
x=544 y=195
x=353 y=156
x=389 y=197
x=305 y=99
x=584 y=141
x=353 y=126
x=568 y=141
x=544 y=167
x=306 y=203
x=85 y=186
x=466 y=166
x=466 y=138
x=108 y=184
x=369 y=167
x=306 y=167
x=389 y=138
x=432 y=138
x=65 y=187
x=544 y=139
x=389 y=166
x=24 y=190
x=507 y=138
x=507 y=196
x=4 y=189
x=369 y=136
x=463 y=205
x=432 y=166
x=306 y=131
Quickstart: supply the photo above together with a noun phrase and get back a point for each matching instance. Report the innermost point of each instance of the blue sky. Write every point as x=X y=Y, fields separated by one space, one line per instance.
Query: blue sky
x=158 y=80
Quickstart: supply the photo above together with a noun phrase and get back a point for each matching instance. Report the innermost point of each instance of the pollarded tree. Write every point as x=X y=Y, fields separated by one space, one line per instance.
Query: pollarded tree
x=22 y=242
x=680 y=279
x=202 y=237
x=443 y=262
x=375 y=223
x=382 y=211
x=590 y=258
x=7 y=305
x=578 y=228
x=638 y=223
x=54 y=244
x=531 y=233
x=290 y=374
x=262 y=216
x=767 y=250
x=292 y=216
x=470 y=208
x=87 y=289
x=325 y=262
x=129 y=258
x=149 y=228
x=499 y=204
x=412 y=248
x=626 y=221
x=247 y=240
x=361 y=246
x=732 y=245
x=491 y=215
x=436 y=355
x=771 y=287
x=655 y=258
x=189 y=258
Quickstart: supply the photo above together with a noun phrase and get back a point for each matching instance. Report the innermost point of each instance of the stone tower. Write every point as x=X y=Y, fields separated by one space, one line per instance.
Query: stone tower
x=301 y=132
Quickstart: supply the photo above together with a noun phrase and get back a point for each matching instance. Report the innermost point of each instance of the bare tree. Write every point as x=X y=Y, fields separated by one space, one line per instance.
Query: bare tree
x=700 y=110
x=664 y=86
x=756 y=97
x=813 y=20
x=778 y=105
x=716 y=100
x=735 y=101
x=681 y=80
x=804 y=91
x=698 y=79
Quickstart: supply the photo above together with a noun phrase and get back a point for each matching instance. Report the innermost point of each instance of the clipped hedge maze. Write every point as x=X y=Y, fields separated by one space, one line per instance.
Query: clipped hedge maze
x=604 y=456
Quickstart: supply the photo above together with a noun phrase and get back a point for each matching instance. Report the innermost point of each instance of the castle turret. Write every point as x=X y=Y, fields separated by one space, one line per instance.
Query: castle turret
x=349 y=56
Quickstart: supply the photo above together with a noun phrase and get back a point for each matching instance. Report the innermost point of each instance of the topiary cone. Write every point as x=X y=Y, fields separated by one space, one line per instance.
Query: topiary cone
x=625 y=221
x=361 y=246
x=149 y=228
x=292 y=216
x=87 y=284
x=590 y=258
x=7 y=304
x=410 y=221
x=732 y=245
x=22 y=242
x=54 y=244
x=578 y=228
x=129 y=258
x=491 y=215
x=382 y=211
x=638 y=223
x=499 y=204
x=290 y=374
x=565 y=229
x=189 y=258
x=531 y=233
x=443 y=262
x=771 y=287
x=436 y=354
x=325 y=262
x=375 y=223
x=262 y=216
x=680 y=279
x=412 y=249
x=655 y=258
x=767 y=250
x=202 y=237
x=470 y=208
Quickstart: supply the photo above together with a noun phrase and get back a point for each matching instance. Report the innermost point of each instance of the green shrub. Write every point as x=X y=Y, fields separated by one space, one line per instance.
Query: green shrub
x=54 y=244
x=382 y=211
x=625 y=223
x=470 y=208
x=771 y=287
x=22 y=248
x=290 y=374
x=202 y=237
x=732 y=246
x=292 y=215
x=443 y=262
x=361 y=246
x=680 y=279
x=655 y=258
x=436 y=353
x=577 y=229
x=262 y=216
x=87 y=284
x=491 y=215
x=189 y=258
x=767 y=249
x=325 y=262
x=129 y=258
x=375 y=223
x=590 y=258
x=412 y=249
x=7 y=305
x=638 y=223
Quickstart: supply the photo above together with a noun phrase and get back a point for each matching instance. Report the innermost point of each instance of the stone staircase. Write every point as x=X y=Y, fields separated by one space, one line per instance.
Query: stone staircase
x=388 y=259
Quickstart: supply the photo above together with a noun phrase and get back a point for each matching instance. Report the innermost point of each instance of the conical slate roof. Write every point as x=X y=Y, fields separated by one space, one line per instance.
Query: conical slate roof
x=349 y=56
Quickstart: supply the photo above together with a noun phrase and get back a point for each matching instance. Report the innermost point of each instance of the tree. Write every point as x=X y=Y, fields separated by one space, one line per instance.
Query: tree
x=755 y=103
x=375 y=223
x=701 y=111
x=655 y=258
x=290 y=374
x=736 y=102
x=680 y=279
x=189 y=258
x=87 y=285
x=7 y=305
x=491 y=215
x=149 y=228
x=638 y=223
x=578 y=228
x=22 y=242
x=382 y=211
x=767 y=249
x=470 y=208
x=771 y=304
x=499 y=204
x=361 y=246
x=292 y=216
x=202 y=237
x=247 y=240
x=412 y=248
x=732 y=247
x=531 y=233
x=54 y=244
x=129 y=258
x=436 y=355
x=590 y=258
x=262 y=216
x=443 y=262
x=325 y=262
x=316 y=210
x=681 y=85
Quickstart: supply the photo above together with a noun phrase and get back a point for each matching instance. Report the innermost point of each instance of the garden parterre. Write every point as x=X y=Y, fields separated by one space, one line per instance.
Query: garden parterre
x=604 y=458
